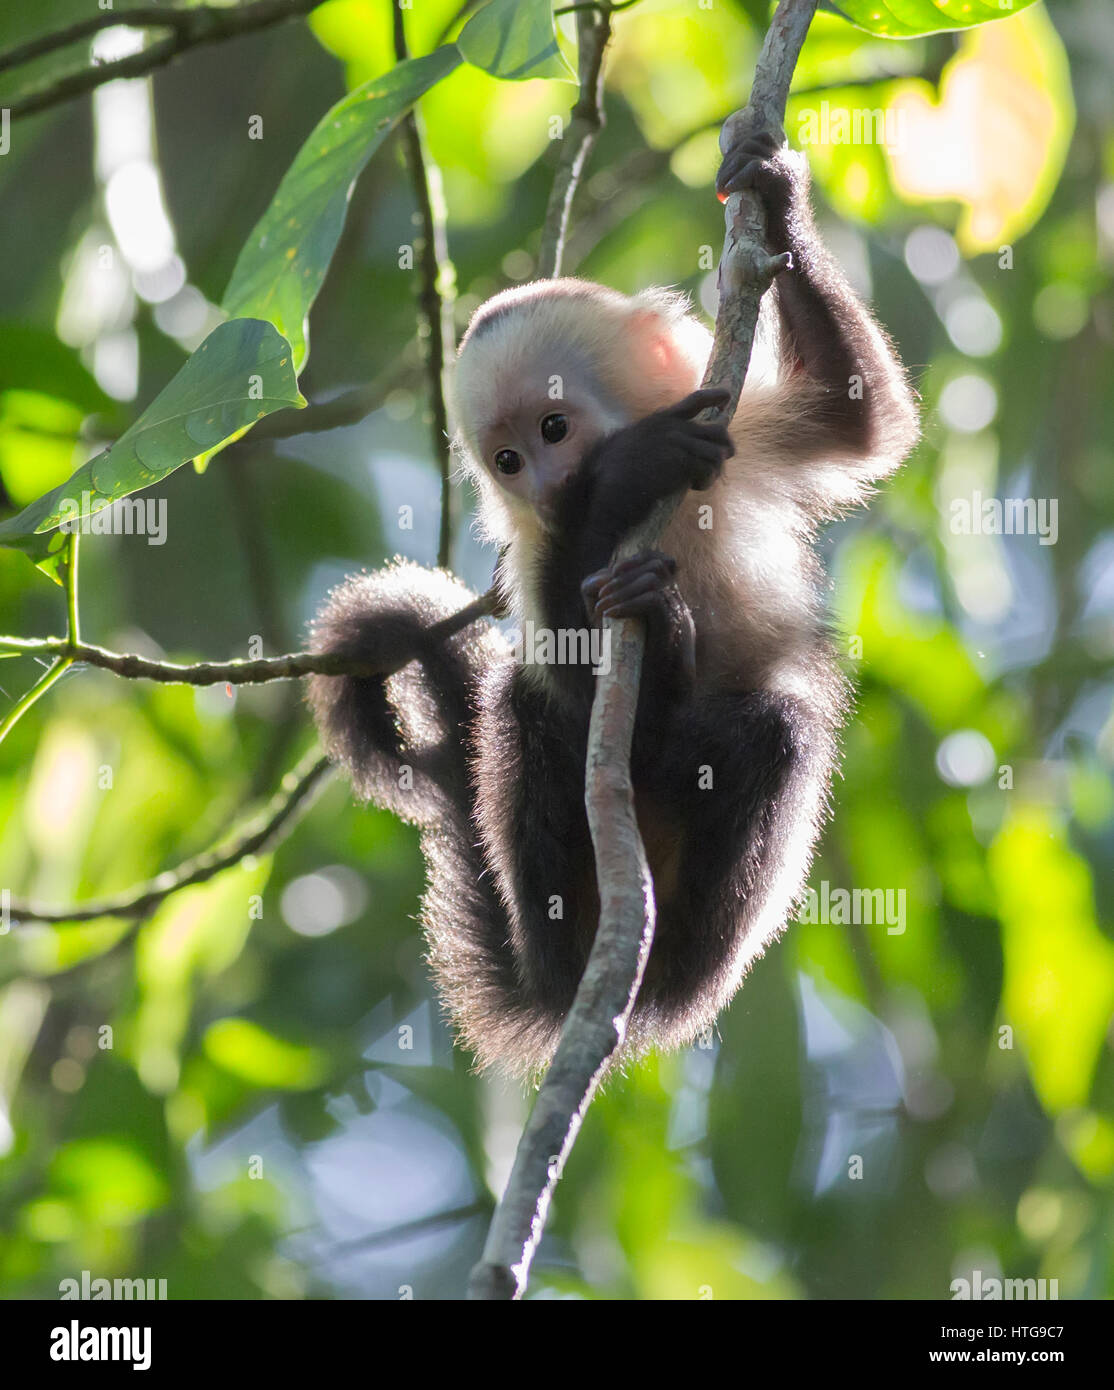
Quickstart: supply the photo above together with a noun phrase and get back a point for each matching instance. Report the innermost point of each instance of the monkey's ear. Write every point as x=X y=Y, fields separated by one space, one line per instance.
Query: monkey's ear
x=665 y=360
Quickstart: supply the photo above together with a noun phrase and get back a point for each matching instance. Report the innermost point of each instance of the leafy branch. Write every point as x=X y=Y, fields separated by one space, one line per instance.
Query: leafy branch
x=65 y=660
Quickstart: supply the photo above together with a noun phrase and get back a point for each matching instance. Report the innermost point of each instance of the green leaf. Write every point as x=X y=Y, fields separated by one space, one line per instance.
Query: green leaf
x=241 y=372
x=258 y=1057
x=515 y=39
x=907 y=19
x=283 y=263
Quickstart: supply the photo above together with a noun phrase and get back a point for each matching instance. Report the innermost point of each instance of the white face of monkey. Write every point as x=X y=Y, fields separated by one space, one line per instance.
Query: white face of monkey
x=540 y=435
x=547 y=369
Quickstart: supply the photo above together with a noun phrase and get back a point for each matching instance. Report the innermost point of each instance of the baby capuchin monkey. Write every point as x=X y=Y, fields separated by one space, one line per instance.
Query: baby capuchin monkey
x=578 y=411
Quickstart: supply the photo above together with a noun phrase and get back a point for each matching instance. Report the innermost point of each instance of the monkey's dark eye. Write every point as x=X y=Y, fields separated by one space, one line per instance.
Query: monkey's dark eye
x=554 y=428
x=507 y=461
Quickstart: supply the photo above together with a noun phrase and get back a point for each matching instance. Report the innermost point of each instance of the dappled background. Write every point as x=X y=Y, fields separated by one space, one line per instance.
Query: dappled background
x=253 y=1095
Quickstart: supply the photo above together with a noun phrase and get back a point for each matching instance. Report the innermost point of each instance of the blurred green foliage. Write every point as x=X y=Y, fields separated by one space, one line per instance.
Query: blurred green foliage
x=253 y=1095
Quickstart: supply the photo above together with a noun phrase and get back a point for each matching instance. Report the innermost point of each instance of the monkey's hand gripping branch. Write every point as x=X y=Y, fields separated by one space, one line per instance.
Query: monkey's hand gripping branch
x=597 y=1022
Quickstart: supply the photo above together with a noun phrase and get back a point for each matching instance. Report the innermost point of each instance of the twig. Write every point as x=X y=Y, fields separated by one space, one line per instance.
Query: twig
x=239 y=672
x=436 y=293
x=24 y=703
x=596 y=1025
x=593 y=30
x=191 y=28
x=58 y=668
x=259 y=834
x=141 y=17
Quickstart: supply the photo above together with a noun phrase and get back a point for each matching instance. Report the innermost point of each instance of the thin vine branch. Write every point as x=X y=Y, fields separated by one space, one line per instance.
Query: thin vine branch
x=597 y=1023
x=260 y=834
x=240 y=672
x=140 y=17
x=29 y=697
x=555 y=1119
x=190 y=28
x=436 y=293
x=593 y=28
x=69 y=576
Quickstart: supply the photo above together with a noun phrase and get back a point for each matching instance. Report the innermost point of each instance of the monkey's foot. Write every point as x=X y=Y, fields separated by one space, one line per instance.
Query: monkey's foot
x=634 y=588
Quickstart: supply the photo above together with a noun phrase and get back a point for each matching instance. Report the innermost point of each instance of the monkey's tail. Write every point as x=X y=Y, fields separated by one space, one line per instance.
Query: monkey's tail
x=403 y=738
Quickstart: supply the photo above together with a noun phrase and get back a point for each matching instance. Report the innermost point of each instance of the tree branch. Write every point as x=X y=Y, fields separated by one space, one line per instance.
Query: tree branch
x=436 y=293
x=254 y=838
x=239 y=672
x=347 y=408
x=596 y=1025
x=593 y=28
x=191 y=28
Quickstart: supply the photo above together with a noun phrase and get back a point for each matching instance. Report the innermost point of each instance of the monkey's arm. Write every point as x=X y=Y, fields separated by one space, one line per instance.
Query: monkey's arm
x=842 y=382
x=620 y=481
x=530 y=792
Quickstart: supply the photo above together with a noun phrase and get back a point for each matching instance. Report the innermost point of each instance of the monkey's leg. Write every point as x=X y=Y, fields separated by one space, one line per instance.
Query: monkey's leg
x=741 y=778
x=529 y=777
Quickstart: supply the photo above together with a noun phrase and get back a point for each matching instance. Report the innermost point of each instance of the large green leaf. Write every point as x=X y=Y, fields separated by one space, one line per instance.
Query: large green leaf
x=241 y=372
x=515 y=39
x=283 y=262
x=907 y=19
